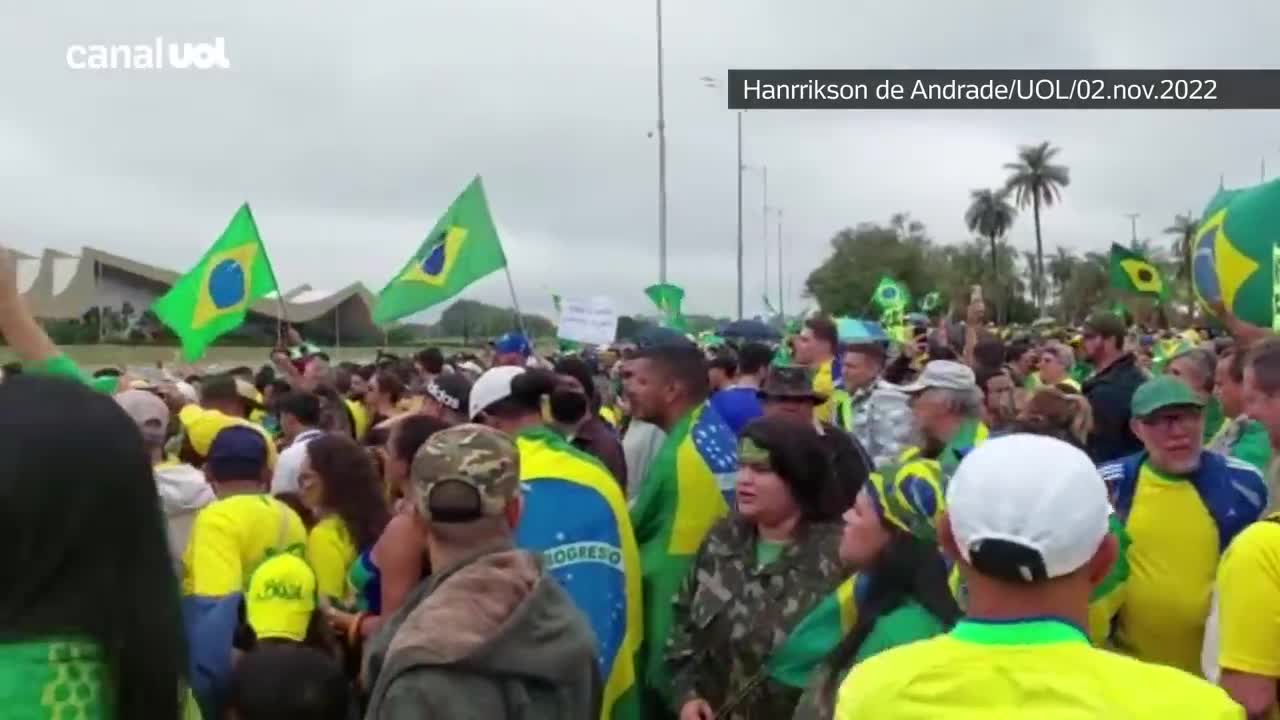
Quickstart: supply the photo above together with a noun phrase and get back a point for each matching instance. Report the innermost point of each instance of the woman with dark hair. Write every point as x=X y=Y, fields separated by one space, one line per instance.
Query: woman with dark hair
x=758 y=573
x=901 y=587
x=90 y=621
x=341 y=488
x=395 y=563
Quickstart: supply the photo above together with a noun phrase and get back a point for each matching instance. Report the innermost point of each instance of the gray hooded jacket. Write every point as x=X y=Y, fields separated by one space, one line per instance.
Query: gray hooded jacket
x=493 y=637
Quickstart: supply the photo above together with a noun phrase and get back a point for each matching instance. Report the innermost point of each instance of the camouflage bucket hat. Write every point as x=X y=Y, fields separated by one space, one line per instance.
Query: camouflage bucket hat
x=789 y=382
x=480 y=458
x=910 y=496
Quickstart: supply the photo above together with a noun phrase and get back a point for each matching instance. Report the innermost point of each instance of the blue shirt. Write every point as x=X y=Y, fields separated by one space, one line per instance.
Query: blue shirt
x=737 y=406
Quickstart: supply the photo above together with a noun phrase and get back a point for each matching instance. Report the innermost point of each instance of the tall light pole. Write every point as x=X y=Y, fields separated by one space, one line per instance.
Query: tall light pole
x=739 y=174
x=710 y=82
x=781 y=300
x=662 y=164
x=1133 y=228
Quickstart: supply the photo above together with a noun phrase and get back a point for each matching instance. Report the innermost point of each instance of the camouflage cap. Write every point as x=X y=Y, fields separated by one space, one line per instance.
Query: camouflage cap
x=475 y=456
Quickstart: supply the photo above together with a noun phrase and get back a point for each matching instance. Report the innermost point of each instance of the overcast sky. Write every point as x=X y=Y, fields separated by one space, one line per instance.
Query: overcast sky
x=349 y=128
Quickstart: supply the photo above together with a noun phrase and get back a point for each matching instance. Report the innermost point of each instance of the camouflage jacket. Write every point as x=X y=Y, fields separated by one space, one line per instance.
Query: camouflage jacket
x=730 y=614
x=878 y=417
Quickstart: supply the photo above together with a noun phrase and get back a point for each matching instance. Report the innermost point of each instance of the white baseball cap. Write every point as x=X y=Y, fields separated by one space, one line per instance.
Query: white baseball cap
x=492 y=386
x=1027 y=508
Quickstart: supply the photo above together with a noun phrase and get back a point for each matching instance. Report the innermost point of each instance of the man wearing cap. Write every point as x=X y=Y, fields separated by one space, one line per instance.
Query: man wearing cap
x=223 y=403
x=1181 y=507
x=946 y=406
x=787 y=392
x=1110 y=389
x=448 y=397
x=245 y=525
x=490 y=634
x=1030 y=562
x=511 y=349
x=182 y=488
x=872 y=409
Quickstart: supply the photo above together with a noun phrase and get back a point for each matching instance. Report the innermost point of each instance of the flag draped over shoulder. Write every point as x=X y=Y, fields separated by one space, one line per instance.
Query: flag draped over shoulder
x=1234 y=256
x=816 y=635
x=1132 y=272
x=462 y=248
x=688 y=488
x=576 y=516
x=213 y=298
x=668 y=298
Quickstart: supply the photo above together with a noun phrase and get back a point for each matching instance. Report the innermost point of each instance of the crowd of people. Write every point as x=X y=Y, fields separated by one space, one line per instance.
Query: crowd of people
x=976 y=522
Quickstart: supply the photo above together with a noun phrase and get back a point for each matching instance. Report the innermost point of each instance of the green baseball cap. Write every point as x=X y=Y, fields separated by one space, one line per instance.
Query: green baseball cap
x=1161 y=392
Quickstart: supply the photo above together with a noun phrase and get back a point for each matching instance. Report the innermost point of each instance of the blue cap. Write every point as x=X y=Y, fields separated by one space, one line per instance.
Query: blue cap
x=512 y=342
x=237 y=452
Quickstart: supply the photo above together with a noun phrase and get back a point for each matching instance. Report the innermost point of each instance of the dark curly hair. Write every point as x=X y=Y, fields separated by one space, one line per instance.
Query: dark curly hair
x=351 y=486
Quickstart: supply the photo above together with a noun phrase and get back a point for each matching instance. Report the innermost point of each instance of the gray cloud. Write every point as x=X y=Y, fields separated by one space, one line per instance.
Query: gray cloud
x=349 y=130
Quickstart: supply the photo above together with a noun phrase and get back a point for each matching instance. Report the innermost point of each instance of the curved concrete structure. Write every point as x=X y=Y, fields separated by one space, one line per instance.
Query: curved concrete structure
x=62 y=287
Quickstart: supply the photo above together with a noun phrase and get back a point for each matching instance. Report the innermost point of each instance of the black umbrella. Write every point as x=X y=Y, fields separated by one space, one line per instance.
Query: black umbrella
x=750 y=330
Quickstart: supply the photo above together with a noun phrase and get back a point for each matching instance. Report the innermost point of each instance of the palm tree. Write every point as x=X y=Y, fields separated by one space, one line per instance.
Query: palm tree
x=1036 y=181
x=1184 y=229
x=1061 y=265
x=990 y=215
x=1037 y=280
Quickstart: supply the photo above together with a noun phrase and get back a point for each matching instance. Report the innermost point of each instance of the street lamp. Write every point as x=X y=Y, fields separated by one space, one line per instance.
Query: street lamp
x=764 y=217
x=662 y=163
x=710 y=82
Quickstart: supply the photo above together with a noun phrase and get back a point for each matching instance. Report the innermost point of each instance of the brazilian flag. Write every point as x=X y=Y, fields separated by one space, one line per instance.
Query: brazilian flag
x=1234 y=255
x=890 y=295
x=212 y=299
x=1132 y=272
x=462 y=248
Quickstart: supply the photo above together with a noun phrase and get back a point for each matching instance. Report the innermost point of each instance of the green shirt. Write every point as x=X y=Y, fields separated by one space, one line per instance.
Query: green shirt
x=768 y=550
x=907 y=623
x=1213 y=418
x=62 y=366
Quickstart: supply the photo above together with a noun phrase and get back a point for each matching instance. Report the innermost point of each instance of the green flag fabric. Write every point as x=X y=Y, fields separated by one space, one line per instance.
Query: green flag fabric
x=668 y=298
x=810 y=642
x=687 y=490
x=1234 y=257
x=462 y=248
x=1132 y=272
x=213 y=298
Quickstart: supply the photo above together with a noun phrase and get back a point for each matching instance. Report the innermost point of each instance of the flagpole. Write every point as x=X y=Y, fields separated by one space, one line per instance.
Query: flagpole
x=511 y=285
x=266 y=258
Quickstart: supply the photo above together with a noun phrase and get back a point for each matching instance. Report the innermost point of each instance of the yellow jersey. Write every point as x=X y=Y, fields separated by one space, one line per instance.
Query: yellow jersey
x=1038 y=669
x=824 y=385
x=330 y=551
x=231 y=537
x=1249 y=603
x=1172 y=564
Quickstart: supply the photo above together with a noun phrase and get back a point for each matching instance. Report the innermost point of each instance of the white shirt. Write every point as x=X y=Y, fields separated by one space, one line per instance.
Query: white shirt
x=289 y=464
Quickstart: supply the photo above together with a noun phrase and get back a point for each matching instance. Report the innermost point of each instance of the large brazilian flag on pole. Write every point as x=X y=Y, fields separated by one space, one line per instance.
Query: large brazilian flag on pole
x=1234 y=257
x=462 y=248
x=213 y=298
